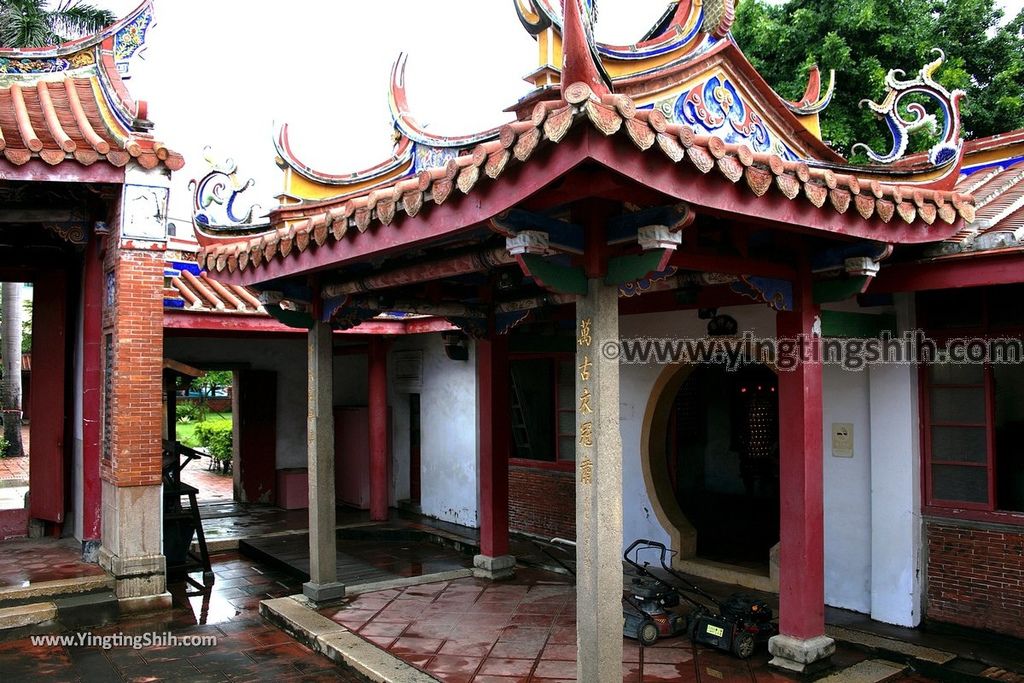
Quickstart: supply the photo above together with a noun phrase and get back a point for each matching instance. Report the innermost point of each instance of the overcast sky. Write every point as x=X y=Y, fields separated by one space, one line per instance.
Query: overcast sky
x=221 y=72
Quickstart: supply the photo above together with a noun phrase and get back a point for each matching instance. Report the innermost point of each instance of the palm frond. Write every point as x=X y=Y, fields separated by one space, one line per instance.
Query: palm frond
x=76 y=19
x=24 y=24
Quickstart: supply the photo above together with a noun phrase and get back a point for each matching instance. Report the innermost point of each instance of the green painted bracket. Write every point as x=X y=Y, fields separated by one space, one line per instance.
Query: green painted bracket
x=829 y=291
x=296 y=319
x=856 y=325
x=632 y=267
x=561 y=279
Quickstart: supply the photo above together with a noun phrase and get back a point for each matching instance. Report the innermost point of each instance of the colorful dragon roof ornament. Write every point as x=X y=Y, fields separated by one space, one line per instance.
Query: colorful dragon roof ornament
x=686 y=89
x=949 y=145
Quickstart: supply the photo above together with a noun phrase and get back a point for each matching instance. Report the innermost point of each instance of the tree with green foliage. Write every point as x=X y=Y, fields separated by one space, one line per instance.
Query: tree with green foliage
x=31 y=23
x=210 y=382
x=863 y=39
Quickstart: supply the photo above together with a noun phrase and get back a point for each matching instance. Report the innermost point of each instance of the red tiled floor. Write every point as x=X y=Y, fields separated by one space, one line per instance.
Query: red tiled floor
x=214 y=486
x=247 y=648
x=470 y=630
x=24 y=561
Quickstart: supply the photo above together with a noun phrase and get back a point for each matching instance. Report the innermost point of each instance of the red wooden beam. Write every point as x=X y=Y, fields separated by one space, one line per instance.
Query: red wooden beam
x=68 y=172
x=182 y=323
x=1002 y=267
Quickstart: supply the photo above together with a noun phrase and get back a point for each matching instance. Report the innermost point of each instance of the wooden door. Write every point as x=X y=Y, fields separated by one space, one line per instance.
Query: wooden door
x=257 y=435
x=46 y=431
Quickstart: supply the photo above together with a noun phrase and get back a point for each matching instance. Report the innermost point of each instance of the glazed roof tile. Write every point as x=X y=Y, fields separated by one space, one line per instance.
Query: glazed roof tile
x=68 y=104
x=298 y=228
x=189 y=288
x=999 y=194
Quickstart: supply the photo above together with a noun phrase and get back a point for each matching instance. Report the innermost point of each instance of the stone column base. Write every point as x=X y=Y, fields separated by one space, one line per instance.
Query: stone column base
x=494 y=568
x=323 y=593
x=801 y=656
x=135 y=577
x=91 y=551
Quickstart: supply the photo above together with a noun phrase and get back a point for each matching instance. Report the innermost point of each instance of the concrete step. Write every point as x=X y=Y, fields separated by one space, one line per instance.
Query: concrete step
x=89 y=609
x=43 y=591
x=22 y=616
x=896 y=649
x=868 y=671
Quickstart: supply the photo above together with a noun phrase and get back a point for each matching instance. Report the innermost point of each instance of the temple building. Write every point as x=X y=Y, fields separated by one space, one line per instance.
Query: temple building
x=84 y=187
x=663 y=190
x=640 y=309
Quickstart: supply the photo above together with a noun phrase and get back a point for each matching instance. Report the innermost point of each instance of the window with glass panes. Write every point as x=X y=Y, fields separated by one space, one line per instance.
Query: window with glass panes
x=542 y=407
x=973 y=414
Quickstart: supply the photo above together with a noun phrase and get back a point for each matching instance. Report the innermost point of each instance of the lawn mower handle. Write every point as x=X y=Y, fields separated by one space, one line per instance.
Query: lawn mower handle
x=647 y=543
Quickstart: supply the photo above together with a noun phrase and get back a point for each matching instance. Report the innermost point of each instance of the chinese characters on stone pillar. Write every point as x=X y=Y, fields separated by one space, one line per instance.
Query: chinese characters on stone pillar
x=586 y=435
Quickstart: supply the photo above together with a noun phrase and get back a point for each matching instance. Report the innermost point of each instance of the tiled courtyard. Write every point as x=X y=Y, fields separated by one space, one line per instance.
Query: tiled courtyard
x=24 y=561
x=525 y=630
x=247 y=649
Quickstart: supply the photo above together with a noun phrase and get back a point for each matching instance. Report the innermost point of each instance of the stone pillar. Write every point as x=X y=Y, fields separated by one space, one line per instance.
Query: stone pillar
x=598 y=489
x=378 y=413
x=801 y=645
x=323 y=583
x=493 y=420
x=895 y=486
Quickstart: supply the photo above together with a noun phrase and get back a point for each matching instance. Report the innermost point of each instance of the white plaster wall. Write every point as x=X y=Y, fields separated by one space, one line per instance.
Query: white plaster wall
x=448 y=433
x=286 y=357
x=896 y=560
x=847 y=491
x=635 y=385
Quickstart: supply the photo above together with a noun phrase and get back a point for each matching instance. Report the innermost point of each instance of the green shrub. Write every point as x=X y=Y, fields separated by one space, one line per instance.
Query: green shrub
x=190 y=411
x=216 y=438
x=3 y=447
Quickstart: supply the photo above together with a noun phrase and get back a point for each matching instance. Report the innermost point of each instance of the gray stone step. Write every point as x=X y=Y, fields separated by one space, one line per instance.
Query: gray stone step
x=90 y=609
x=21 y=616
x=868 y=671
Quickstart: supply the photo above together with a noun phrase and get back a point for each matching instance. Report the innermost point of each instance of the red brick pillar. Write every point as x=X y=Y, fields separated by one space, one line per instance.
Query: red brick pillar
x=131 y=351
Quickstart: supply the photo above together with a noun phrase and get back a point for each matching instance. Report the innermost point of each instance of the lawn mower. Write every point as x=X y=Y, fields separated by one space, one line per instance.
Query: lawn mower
x=738 y=624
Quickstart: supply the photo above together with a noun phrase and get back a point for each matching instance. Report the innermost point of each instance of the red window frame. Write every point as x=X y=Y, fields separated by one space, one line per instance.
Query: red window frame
x=958 y=509
x=558 y=463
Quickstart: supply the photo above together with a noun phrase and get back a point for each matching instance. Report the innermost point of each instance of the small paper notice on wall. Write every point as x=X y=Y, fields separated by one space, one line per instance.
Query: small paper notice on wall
x=842 y=440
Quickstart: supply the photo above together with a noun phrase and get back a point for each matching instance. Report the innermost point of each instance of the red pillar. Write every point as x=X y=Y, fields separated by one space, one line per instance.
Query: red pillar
x=801 y=554
x=493 y=435
x=92 y=391
x=378 y=399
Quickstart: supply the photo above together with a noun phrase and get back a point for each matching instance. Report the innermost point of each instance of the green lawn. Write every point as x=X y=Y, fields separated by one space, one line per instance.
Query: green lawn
x=187 y=432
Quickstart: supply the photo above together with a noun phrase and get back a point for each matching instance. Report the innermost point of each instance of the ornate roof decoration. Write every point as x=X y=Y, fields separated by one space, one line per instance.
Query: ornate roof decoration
x=950 y=145
x=685 y=24
x=314 y=226
x=399 y=162
x=708 y=113
x=215 y=199
x=69 y=103
x=814 y=101
x=406 y=123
